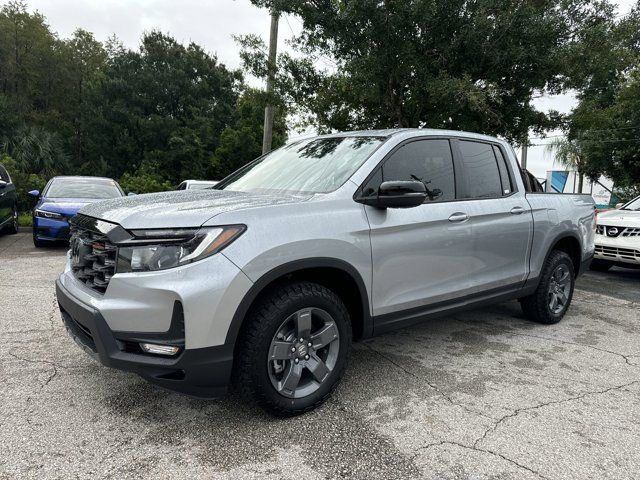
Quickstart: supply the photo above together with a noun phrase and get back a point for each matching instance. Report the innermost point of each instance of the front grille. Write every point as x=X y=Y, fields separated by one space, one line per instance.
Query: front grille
x=93 y=256
x=613 y=231
x=615 y=252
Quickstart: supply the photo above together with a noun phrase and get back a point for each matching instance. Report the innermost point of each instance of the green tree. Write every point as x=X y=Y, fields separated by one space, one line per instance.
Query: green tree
x=162 y=109
x=606 y=122
x=241 y=142
x=416 y=63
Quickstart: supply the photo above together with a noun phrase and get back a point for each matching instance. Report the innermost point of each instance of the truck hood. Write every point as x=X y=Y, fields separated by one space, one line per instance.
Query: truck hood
x=180 y=209
x=620 y=218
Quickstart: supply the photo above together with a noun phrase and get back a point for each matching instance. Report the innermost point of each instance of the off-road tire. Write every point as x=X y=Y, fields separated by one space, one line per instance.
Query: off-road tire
x=251 y=375
x=536 y=306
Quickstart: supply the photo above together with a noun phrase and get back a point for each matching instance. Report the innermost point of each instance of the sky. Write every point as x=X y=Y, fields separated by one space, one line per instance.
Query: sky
x=212 y=24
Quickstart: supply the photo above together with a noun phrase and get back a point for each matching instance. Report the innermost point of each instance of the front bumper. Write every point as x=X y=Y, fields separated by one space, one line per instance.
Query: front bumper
x=50 y=229
x=618 y=250
x=200 y=372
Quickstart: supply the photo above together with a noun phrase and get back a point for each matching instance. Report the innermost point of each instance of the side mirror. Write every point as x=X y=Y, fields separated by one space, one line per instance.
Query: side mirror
x=34 y=193
x=398 y=194
x=619 y=205
x=3 y=184
x=131 y=194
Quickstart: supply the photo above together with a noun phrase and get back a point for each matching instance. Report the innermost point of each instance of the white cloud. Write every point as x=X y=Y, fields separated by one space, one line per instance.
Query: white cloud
x=210 y=24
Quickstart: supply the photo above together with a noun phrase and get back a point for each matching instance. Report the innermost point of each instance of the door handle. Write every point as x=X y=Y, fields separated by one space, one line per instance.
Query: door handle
x=517 y=211
x=459 y=217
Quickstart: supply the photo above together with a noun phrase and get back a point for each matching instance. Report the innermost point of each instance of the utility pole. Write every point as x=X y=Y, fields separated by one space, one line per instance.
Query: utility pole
x=269 y=109
x=523 y=159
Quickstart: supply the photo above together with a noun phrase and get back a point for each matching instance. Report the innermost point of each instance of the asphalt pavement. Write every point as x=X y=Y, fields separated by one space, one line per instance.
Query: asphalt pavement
x=479 y=395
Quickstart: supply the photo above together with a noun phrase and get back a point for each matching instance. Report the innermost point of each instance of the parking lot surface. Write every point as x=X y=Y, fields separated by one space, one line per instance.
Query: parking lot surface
x=479 y=395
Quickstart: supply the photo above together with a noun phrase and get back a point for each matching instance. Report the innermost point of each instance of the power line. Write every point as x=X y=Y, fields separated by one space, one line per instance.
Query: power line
x=589 y=131
x=618 y=140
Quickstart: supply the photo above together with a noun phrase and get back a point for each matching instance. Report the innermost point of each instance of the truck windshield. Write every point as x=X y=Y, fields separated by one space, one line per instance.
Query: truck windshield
x=319 y=165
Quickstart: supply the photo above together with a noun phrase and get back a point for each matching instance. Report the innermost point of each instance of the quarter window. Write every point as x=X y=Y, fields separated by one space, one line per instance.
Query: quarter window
x=427 y=161
x=507 y=188
x=483 y=176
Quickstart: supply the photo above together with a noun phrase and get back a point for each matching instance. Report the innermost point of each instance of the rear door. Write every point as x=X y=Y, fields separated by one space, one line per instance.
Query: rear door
x=420 y=255
x=499 y=217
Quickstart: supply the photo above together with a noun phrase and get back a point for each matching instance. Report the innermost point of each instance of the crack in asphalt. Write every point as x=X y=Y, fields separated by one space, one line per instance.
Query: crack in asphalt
x=518 y=411
x=53 y=313
x=482 y=450
x=558 y=340
x=431 y=385
x=46 y=362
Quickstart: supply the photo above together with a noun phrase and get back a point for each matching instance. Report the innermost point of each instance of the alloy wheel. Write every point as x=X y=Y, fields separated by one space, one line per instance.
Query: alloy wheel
x=559 y=289
x=303 y=352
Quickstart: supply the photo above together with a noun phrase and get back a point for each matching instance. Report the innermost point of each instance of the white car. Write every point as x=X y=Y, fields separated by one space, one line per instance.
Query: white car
x=196 y=184
x=618 y=237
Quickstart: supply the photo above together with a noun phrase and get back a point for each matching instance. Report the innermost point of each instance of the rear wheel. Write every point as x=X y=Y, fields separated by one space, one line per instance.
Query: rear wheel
x=295 y=348
x=549 y=303
x=600 y=265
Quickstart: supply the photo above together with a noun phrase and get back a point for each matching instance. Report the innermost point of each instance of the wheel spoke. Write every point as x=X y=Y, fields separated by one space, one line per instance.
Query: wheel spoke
x=325 y=336
x=564 y=277
x=554 y=302
x=303 y=323
x=291 y=379
x=317 y=368
x=562 y=296
x=280 y=351
x=558 y=273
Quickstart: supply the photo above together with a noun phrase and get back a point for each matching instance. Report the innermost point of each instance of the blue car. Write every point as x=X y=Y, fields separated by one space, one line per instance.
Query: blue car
x=61 y=199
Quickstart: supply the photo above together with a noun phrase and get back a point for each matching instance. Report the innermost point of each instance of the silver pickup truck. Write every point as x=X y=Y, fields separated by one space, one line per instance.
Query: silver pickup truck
x=264 y=281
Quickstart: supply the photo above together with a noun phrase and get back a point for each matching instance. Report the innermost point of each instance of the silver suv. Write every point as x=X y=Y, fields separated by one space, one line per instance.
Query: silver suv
x=265 y=280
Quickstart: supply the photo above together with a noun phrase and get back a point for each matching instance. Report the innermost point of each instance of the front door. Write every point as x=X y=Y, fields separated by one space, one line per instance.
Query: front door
x=421 y=255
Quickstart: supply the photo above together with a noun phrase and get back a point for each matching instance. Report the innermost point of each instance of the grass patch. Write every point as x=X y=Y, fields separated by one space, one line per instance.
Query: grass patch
x=24 y=219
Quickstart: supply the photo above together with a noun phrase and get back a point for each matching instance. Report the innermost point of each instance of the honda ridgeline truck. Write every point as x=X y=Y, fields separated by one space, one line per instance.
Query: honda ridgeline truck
x=264 y=281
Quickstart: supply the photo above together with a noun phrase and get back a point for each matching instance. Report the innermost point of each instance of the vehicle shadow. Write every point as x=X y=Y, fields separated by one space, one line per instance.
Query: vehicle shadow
x=230 y=433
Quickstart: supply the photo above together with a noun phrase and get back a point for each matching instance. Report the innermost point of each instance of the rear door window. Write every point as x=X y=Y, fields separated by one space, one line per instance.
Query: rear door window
x=481 y=167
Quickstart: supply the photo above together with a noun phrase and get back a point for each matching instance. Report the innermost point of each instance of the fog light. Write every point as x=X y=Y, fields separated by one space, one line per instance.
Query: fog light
x=159 y=349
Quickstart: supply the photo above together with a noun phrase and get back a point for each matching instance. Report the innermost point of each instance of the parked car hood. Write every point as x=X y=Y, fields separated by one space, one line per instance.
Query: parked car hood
x=182 y=209
x=67 y=206
x=620 y=218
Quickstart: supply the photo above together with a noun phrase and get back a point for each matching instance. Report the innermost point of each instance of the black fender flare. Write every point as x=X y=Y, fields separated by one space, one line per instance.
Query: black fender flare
x=532 y=283
x=292 y=267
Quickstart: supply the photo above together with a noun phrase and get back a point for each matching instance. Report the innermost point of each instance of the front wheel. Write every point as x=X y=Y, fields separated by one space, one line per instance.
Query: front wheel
x=552 y=298
x=37 y=242
x=294 y=349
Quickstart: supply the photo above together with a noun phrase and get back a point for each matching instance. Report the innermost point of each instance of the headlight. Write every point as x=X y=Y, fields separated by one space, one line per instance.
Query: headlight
x=153 y=250
x=50 y=215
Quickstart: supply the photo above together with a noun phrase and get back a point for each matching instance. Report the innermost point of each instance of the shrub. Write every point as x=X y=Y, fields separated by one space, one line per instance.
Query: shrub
x=144 y=183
